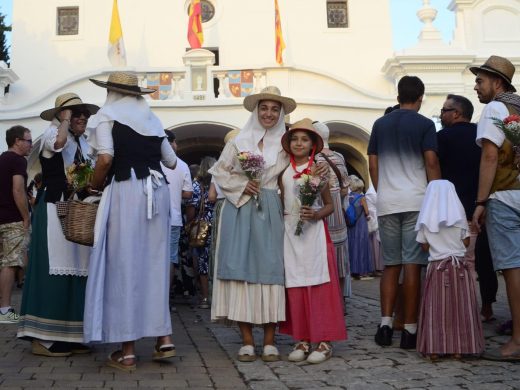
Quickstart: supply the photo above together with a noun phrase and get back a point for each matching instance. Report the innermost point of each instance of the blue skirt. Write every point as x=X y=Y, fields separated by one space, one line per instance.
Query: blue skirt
x=251 y=241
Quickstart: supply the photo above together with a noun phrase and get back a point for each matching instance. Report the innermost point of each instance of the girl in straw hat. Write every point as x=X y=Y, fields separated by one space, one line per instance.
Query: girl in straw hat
x=127 y=289
x=311 y=276
x=249 y=277
x=54 y=289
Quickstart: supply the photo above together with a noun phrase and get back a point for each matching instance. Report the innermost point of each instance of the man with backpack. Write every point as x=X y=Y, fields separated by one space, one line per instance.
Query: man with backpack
x=402 y=160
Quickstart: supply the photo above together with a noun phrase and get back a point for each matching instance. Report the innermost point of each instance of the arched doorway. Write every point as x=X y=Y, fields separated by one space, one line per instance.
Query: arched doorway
x=351 y=141
x=200 y=139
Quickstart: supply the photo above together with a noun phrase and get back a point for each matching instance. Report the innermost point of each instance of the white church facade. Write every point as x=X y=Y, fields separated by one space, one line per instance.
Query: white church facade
x=339 y=64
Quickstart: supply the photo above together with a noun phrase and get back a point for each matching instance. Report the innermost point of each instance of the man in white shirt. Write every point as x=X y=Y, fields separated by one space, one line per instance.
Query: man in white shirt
x=181 y=187
x=498 y=197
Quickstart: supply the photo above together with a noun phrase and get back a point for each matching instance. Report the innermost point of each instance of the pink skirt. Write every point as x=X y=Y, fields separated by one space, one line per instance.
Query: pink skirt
x=449 y=321
x=315 y=313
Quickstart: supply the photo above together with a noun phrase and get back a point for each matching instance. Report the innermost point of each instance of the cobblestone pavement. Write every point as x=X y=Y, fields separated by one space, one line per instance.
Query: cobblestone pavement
x=206 y=351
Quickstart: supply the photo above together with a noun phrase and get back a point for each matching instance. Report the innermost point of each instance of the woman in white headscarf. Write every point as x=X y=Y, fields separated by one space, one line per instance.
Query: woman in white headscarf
x=338 y=184
x=249 y=271
x=127 y=289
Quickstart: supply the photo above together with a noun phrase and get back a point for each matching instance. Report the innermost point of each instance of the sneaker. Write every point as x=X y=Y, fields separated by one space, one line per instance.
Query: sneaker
x=10 y=317
x=204 y=304
x=300 y=352
x=408 y=340
x=320 y=356
x=384 y=335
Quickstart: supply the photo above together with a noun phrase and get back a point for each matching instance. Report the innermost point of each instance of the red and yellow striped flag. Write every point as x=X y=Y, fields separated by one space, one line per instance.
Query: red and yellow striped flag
x=195 y=34
x=280 y=44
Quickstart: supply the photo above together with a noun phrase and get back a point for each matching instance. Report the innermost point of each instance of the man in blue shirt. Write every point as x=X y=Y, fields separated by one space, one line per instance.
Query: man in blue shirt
x=402 y=156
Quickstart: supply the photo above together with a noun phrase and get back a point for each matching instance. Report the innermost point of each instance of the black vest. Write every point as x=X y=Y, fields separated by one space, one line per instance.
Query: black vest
x=54 y=180
x=133 y=150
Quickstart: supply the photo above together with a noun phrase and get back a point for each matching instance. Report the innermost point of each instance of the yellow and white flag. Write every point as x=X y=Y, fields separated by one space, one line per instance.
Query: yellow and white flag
x=116 y=45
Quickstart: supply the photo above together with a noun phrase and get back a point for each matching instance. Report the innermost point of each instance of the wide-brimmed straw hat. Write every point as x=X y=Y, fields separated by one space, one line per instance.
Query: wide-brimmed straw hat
x=270 y=93
x=302 y=125
x=68 y=101
x=499 y=66
x=123 y=82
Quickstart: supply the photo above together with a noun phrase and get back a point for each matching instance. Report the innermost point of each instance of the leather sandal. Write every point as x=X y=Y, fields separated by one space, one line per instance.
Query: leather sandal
x=163 y=352
x=118 y=363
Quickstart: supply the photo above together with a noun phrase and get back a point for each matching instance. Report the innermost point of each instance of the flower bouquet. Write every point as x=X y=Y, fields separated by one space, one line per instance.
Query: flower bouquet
x=79 y=175
x=309 y=187
x=253 y=166
x=511 y=128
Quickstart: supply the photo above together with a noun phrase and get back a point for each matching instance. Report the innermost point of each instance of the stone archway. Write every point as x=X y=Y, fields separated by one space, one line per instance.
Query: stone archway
x=351 y=141
x=196 y=140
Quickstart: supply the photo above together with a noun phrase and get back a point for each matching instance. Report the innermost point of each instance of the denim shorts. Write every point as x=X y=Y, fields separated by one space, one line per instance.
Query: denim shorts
x=398 y=239
x=503 y=229
x=175 y=234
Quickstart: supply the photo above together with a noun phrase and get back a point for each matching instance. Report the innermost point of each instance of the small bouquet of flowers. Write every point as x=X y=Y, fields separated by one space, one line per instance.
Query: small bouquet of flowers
x=511 y=128
x=79 y=175
x=253 y=166
x=309 y=187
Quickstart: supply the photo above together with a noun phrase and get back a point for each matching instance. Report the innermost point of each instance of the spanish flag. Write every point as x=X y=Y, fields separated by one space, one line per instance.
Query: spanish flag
x=116 y=46
x=280 y=44
x=195 y=34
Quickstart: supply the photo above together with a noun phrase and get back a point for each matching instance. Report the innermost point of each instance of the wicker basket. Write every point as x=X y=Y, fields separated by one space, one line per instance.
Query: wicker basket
x=80 y=221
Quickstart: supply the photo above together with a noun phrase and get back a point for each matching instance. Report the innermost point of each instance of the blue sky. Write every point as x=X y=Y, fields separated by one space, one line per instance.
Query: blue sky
x=405 y=34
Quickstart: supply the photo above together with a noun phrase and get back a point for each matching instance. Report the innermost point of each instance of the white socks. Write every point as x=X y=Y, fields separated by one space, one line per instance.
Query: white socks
x=386 y=321
x=411 y=328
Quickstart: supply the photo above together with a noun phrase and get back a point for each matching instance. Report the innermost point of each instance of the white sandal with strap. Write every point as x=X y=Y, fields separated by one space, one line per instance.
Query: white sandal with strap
x=300 y=352
x=164 y=351
x=320 y=356
x=118 y=363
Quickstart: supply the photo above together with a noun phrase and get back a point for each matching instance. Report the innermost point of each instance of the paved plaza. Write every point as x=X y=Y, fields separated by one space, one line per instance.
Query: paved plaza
x=206 y=351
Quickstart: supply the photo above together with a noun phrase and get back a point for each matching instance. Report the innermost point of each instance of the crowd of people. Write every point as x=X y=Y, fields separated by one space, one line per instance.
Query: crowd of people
x=266 y=244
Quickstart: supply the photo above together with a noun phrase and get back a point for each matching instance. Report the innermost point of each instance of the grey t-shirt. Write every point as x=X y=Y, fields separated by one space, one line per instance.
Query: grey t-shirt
x=399 y=140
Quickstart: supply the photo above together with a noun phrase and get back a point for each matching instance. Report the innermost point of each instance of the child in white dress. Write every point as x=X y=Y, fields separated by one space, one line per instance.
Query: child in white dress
x=311 y=276
x=449 y=321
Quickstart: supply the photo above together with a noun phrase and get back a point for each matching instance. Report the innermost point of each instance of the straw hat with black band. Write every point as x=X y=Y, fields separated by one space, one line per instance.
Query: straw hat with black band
x=270 y=93
x=123 y=82
x=500 y=67
x=302 y=125
x=67 y=101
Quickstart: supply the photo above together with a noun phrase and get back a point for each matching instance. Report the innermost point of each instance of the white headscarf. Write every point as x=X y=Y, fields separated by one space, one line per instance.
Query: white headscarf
x=250 y=135
x=441 y=207
x=132 y=111
x=323 y=131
